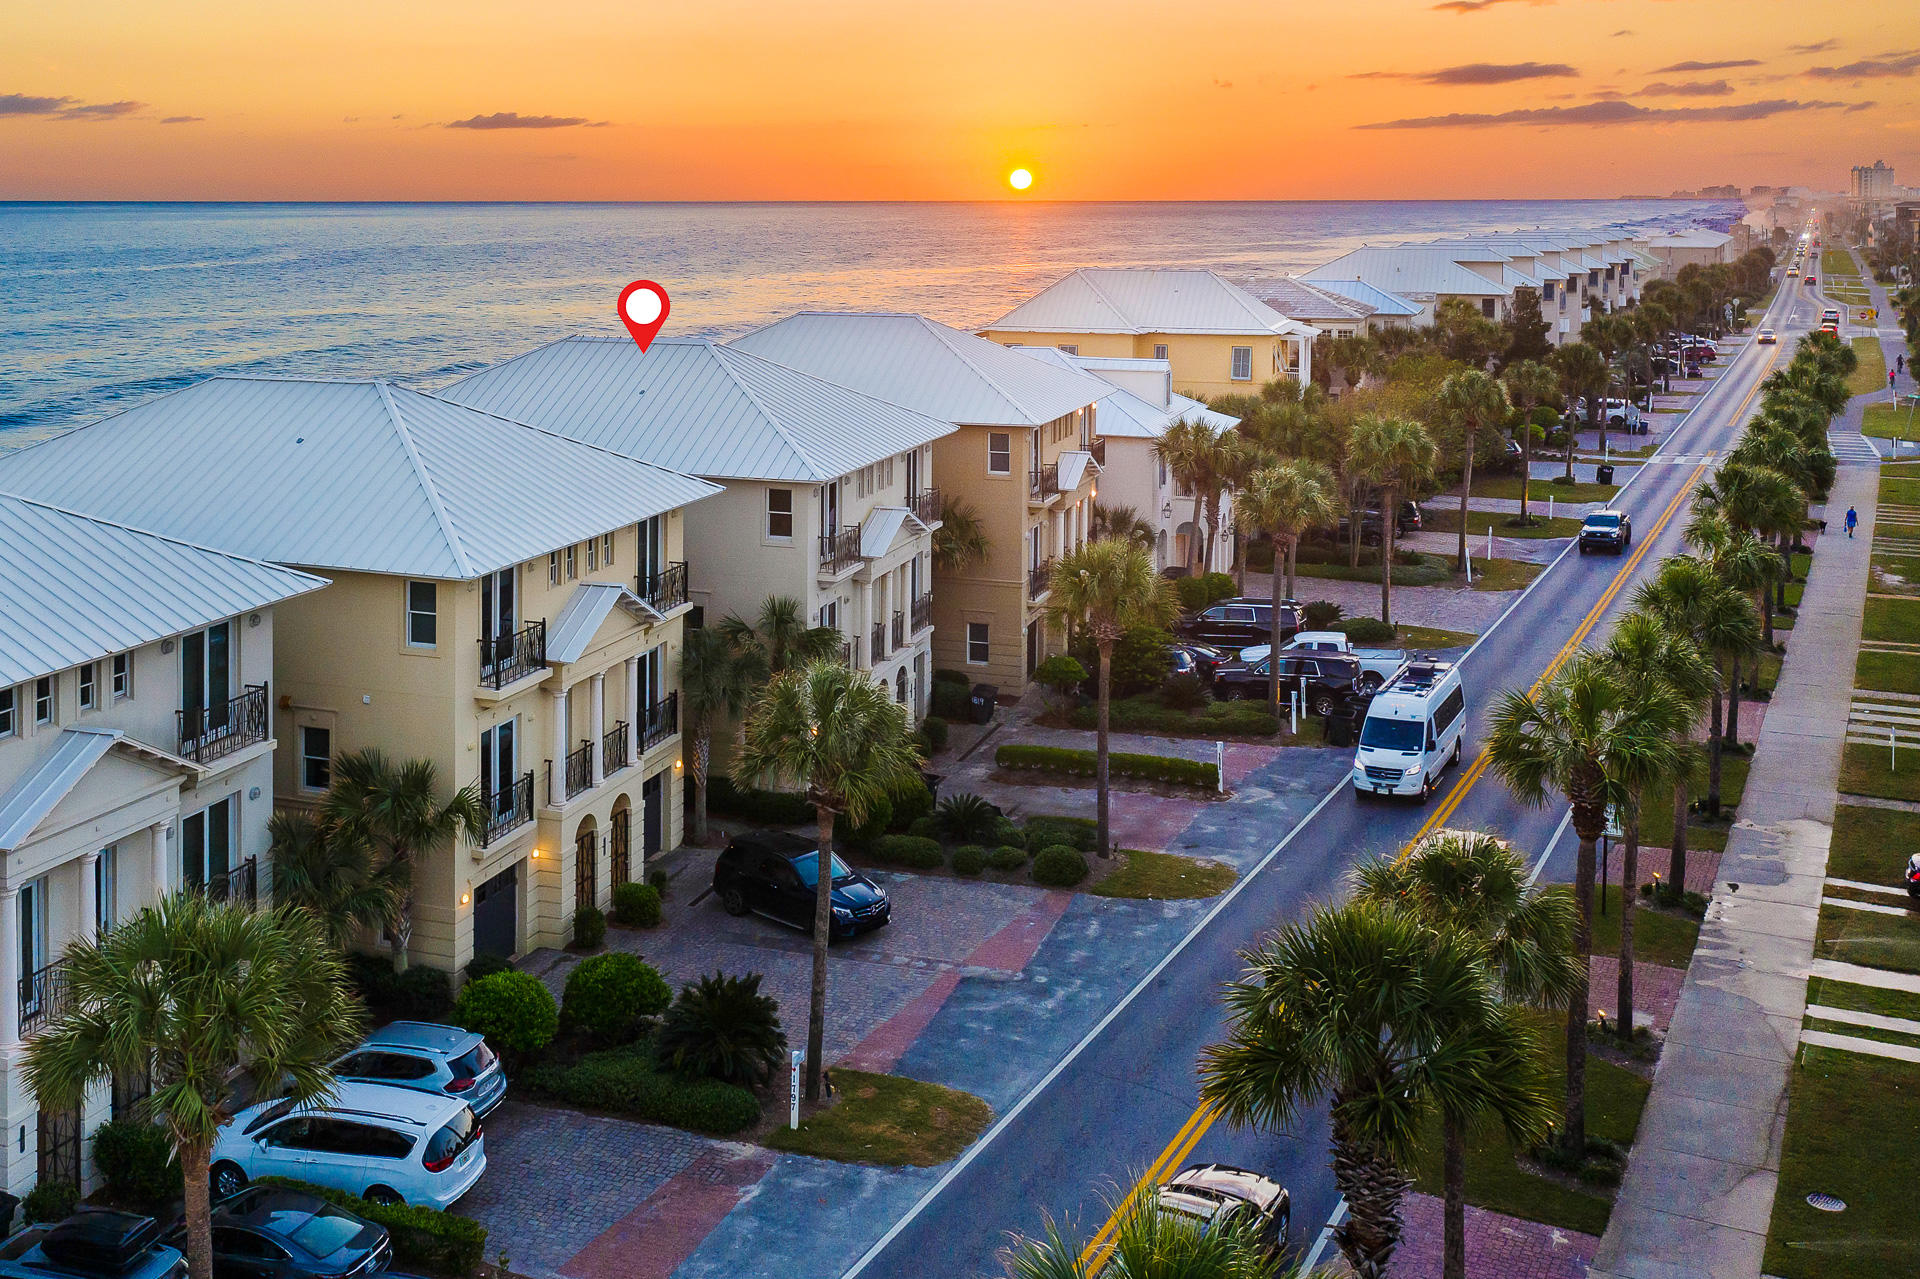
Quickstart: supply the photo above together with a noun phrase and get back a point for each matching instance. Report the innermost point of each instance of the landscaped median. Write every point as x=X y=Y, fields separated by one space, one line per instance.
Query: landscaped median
x=1072 y=762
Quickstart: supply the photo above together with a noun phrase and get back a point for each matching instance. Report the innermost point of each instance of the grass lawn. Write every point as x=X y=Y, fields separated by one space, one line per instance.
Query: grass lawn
x=1899 y=490
x=1889 y=421
x=1871 y=373
x=1430 y=637
x=1865 y=770
x=1656 y=814
x=1868 y=937
x=1430 y=570
x=1508 y=486
x=887 y=1119
x=1892 y=620
x=1615 y=1097
x=1829 y=993
x=1874 y=1033
x=1659 y=936
x=1433 y=520
x=1851 y=1121
x=1888 y=672
x=1838 y=262
x=1872 y=844
x=1166 y=877
x=1502 y=575
x=1895 y=575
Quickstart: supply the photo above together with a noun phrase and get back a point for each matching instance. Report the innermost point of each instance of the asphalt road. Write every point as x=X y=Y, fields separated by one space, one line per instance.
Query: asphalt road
x=1125 y=1101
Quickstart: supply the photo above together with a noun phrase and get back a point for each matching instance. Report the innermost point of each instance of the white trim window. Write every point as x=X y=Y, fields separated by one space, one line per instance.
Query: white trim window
x=43 y=690
x=999 y=453
x=979 y=645
x=780 y=514
x=106 y=888
x=1242 y=364
x=423 y=614
x=90 y=687
x=122 y=676
x=606 y=550
x=1159 y=350
x=573 y=561
x=1070 y=348
x=316 y=758
x=553 y=568
x=9 y=712
x=593 y=555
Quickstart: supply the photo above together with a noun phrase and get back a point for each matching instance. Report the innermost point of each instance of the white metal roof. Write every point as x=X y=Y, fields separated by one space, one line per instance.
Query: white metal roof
x=699 y=407
x=1073 y=468
x=1126 y=415
x=881 y=529
x=339 y=474
x=75 y=589
x=1382 y=302
x=580 y=617
x=1144 y=300
x=910 y=360
x=1408 y=270
x=55 y=774
x=1693 y=238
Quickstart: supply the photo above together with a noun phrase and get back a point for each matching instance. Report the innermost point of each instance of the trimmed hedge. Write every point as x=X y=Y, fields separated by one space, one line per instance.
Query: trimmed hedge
x=636 y=905
x=913 y=801
x=1007 y=857
x=487 y=965
x=627 y=1081
x=1059 y=867
x=910 y=851
x=515 y=1011
x=608 y=995
x=770 y=808
x=1082 y=833
x=1080 y=763
x=50 y=1201
x=589 y=928
x=422 y=993
x=936 y=730
x=949 y=700
x=423 y=1238
x=1197 y=592
x=969 y=859
x=136 y=1161
x=1149 y=715
x=1367 y=630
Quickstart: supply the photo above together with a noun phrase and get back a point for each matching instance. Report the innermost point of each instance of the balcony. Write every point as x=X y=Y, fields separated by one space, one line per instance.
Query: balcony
x=239 y=884
x=208 y=733
x=925 y=506
x=1043 y=482
x=922 y=612
x=1039 y=578
x=43 y=996
x=666 y=590
x=877 y=646
x=505 y=659
x=508 y=808
x=576 y=773
x=613 y=749
x=660 y=721
x=899 y=630
x=840 y=549
x=1099 y=449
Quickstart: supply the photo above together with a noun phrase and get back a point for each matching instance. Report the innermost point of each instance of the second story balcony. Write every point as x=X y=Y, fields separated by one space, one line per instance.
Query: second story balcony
x=1039 y=579
x=507 y=658
x=660 y=721
x=1043 y=482
x=1099 y=449
x=208 y=733
x=925 y=506
x=613 y=749
x=43 y=996
x=922 y=612
x=666 y=589
x=899 y=630
x=576 y=774
x=877 y=643
x=508 y=808
x=840 y=549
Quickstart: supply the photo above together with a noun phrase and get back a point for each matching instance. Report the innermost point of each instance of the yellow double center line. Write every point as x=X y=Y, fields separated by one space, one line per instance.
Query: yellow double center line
x=1100 y=1248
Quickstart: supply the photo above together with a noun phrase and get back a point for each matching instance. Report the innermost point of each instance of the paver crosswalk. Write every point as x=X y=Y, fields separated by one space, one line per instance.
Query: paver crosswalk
x=1852 y=448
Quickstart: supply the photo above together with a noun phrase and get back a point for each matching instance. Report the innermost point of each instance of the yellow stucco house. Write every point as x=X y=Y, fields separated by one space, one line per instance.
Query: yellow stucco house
x=1218 y=338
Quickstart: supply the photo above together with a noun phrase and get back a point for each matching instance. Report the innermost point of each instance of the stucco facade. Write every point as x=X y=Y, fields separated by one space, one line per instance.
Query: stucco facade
x=1204 y=364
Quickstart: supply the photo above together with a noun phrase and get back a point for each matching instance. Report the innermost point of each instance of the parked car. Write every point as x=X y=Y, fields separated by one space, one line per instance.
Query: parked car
x=387 y=1144
x=1194 y=659
x=1333 y=681
x=1606 y=531
x=773 y=873
x=1220 y=1196
x=271 y=1232
x=93 y=1243
x=1239 y=622
x=432 y=1058
x=1616 y=412
x=1377 y=665
x=1370 y=525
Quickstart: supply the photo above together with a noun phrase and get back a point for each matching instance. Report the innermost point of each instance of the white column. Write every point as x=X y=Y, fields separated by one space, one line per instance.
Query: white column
x=9 y=965
x=1059 y=521
x=597 y=726
x=89 y=895
x=558 y=781
x=162 y=882
x=633 y=710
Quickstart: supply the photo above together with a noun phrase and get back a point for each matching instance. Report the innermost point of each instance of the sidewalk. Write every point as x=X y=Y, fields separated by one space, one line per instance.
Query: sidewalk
x=1699 y=1189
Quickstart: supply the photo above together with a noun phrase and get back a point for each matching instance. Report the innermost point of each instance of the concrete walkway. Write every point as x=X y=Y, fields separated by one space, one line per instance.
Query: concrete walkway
x=1699 y=1190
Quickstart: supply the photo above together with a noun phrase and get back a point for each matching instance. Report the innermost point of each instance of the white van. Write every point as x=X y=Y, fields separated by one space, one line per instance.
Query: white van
x=1412 y=731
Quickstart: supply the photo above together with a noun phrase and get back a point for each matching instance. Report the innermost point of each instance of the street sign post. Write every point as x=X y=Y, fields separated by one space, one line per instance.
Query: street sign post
x=793 y=1091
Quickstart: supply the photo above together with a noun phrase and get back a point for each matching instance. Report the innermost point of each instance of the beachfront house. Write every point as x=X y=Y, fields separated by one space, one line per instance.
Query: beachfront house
x=505 y=602
x=136 y=760
x=828 y=495
x=1021 y=461
x=1696 y=246
x=1424 y=276
x=1218 y=338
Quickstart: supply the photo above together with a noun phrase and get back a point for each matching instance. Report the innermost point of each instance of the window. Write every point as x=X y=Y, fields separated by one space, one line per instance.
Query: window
x=606 y=550
x=122 y=675
x=1071 y=348
x=43 y=700
x=830 y=615
x=1159 y=350
x=316 y=757
x=9 y=713
x=1546 y=290
x=999 y=453
x=1242 y=364
x=900 y=686
x=978 y=650
x=1450 y=709
x=207 y=844
x=553 y=568
x=779 y=512
x=89 y=689
x=423 y=618
x=573 y=562
x=1486 y=307
x=104 y=881
x=593 y=554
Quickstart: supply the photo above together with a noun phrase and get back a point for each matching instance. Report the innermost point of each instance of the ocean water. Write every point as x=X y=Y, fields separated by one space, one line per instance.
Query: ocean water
x=105 y=305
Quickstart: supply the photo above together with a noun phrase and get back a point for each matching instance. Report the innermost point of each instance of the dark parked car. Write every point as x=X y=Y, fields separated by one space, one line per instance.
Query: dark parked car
x=1333 y=681
x=1409 y=522
x=94 y=1243
x=431 y=1058
x=267 y=1232
x=1606 y=531
x=774 y=873
x=1218 y=1195
x=1240 y=623
x=1194 y=659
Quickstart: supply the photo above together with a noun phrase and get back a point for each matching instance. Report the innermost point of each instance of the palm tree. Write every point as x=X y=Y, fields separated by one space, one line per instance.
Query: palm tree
x=1743 y=562
x=395 y=808
x=717 y=681
x=1583 y=375
x=332 y=877
x=1187 y=447
x=1390 y=1022
x=1469 y=402
x=961 y=540
x=1149 y=1241
x=1647 y=656
x=780 y=638
x=840 y=738
x=1120 y=523
x=1528 y=383
x=1105 y=588
x=1474 y=885
x=1396 y=454
x=1579 y=735
x=1693 y=600
x=1609 y=335
x=1286 y=500
x=192 y=994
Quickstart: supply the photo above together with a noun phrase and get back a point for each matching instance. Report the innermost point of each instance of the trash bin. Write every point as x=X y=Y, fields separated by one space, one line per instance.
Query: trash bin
x=1603 y=473
x=982 y=702
x=933 y=784
x=1342 y=729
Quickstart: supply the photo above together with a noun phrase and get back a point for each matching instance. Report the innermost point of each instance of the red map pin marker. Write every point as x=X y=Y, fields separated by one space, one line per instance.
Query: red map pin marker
x=643 y=309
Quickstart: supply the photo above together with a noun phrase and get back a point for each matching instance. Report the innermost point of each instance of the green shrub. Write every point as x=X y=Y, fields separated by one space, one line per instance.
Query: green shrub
x=1368 y=630
x=723 y=1028
x=1140 y=659
x=50 y=1201
x=487 y=965
x=136 y=1161
x=769 y=808
x=422 y=993
x=948 y=700
x=1005 y=832
x=589 y=928
x=423 y=1238
x=965 y=818
x=947 y=675
x=1259 y=556
x=910 y=803
x=628 y=1081
x=879 y=821
x=1321 y=615
x=936 y=730
x=1151 y=715
x=1059 y=867
x=513 y=1010
x=1198 y=592
x=1061 y=674
x=609 y=995
x=658 y=880
x=907 y=850
x=1082 y=833
x=637 y=905
x=1185 y=691
x=924 y=828
x=1080 y=763
x=969 y=859
x=1007 y=857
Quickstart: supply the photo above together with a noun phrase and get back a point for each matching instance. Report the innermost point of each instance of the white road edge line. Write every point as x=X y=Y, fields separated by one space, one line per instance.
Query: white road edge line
x=1326 y=1237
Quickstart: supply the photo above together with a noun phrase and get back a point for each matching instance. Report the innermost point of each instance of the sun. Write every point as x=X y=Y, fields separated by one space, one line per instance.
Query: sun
x=1020 y=179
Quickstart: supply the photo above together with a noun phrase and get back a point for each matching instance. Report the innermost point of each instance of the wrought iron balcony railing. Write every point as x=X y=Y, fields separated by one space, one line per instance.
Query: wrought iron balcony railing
x=212 y=732
x=43 y=994
x=613 y=749
x=877 y=645
x=922 y=612
x=508 y=808
x=899 y=630
x=1043 y=482
x=839 y=548
x=925 y=506
x=666 y=590
x=1038 y=579
x=506 y=658
x=662 y=720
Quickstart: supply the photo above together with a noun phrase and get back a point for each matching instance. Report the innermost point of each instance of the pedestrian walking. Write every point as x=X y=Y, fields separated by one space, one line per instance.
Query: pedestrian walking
x=1899 y=364
x=1853 y=518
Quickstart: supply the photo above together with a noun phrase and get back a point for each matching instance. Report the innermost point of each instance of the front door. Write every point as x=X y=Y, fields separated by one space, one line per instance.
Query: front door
x=497 y=604
x=499 y=766
x=652 y=556
x=496 y=914
x=653 y=816
x=832 y=512
x=60 y=1148
x=206 y=847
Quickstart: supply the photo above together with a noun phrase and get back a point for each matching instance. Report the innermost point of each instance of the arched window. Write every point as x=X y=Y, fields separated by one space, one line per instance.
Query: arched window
x=900 y=686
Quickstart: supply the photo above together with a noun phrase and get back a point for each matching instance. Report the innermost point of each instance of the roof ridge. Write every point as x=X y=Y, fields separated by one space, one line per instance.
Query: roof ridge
x=945 y=336
x=772 y=420
x=137 y=531
x=1105 y=300
x=428 y=486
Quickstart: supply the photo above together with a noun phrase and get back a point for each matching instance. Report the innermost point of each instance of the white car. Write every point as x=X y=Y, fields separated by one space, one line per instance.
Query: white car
x=390 y=1145
x=1765 y=337
x=1377 y=665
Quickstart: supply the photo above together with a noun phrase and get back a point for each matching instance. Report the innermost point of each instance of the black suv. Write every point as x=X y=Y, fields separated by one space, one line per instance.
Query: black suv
x=774 y=873
x=270 y=1232
x=1606 y=531
x=1408 y=522
x=1240 y=623
x=1333 y=680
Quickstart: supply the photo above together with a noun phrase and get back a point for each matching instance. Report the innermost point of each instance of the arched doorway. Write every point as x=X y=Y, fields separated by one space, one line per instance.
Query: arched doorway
x=620 y=841
x=586 y=865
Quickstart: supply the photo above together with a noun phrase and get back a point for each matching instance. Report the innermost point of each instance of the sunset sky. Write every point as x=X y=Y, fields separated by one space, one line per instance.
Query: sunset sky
x=860 y=100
